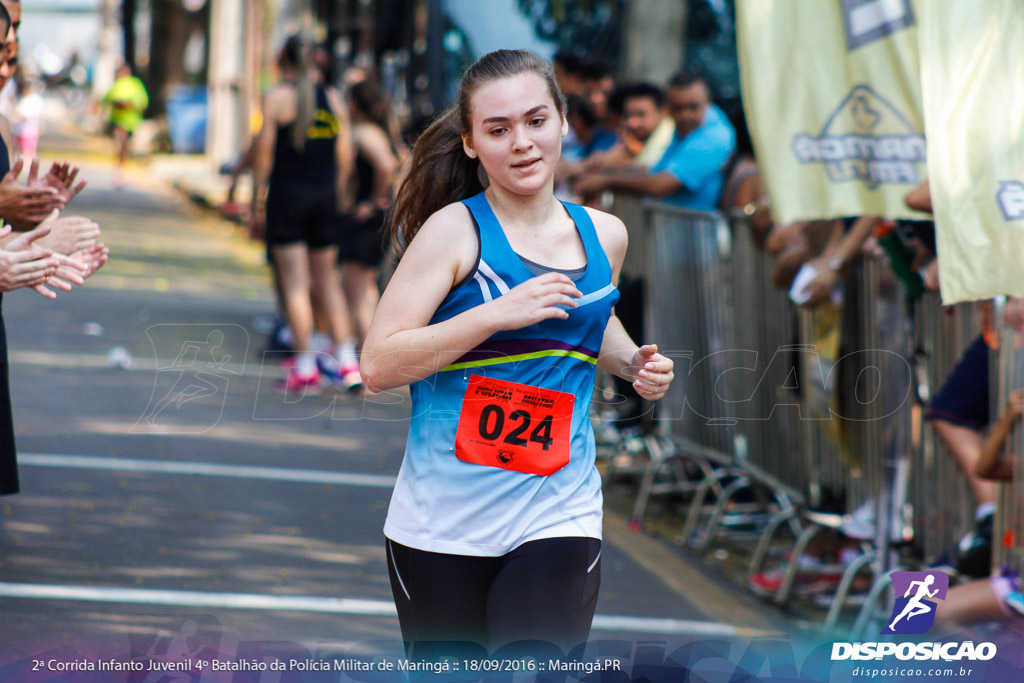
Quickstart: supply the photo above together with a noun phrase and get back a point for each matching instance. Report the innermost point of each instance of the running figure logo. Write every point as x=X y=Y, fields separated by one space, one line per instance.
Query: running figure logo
x=914 y=613
x=194 y=371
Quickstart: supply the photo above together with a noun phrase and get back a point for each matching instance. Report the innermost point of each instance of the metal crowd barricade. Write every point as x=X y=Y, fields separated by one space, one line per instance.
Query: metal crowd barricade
x=855 y=408
x=942 y=334
x=707 y=312
x=762 y=405
x=670 y=286
x=686 y=312
x=691 y=311
x=880 y=432
x=951 y=515
x=765 y=335
x=1007 y=364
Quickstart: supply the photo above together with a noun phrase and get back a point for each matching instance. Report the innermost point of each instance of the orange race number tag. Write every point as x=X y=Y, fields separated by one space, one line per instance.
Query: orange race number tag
x=514 y=427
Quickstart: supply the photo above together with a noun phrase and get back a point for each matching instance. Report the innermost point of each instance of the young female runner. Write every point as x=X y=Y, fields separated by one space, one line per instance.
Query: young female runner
x=497 y=314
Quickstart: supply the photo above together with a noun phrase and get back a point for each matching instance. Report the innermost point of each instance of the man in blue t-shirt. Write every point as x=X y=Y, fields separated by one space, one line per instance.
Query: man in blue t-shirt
x=689 y=173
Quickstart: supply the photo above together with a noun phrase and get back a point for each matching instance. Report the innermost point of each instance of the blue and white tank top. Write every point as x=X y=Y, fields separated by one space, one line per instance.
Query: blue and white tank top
x=443 y=504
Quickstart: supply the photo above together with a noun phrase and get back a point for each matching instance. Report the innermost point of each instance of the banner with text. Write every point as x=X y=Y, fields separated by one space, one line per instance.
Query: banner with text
x=832 y=95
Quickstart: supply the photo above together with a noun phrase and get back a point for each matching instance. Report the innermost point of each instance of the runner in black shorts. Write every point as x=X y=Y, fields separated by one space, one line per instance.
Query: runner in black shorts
x=305 y=149
x=362 y=245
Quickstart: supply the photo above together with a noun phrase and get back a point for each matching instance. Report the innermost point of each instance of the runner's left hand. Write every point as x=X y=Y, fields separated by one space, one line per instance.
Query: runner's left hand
x=654 y=374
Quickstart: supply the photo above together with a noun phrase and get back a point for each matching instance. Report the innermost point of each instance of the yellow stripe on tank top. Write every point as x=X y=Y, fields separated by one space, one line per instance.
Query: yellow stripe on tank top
x=523 y=356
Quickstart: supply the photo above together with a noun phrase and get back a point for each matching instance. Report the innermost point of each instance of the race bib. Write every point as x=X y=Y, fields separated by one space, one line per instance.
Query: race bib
x=514 y=427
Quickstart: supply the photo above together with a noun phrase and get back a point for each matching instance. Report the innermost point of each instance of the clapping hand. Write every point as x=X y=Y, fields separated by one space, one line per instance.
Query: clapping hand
x=61 y=177
x=69 y=234
x=93 y=258
x=61 y=272
x=25 y=206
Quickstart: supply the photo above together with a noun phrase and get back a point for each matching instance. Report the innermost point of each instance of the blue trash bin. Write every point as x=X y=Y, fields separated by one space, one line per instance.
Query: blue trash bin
x=186 y=119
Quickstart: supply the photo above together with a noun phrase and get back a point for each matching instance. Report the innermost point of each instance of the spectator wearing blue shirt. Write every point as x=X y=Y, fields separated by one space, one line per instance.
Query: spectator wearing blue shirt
x=591 y=136
x=689 y=173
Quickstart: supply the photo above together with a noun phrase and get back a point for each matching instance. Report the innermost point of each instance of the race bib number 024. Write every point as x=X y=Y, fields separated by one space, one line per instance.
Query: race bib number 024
x=514 y=427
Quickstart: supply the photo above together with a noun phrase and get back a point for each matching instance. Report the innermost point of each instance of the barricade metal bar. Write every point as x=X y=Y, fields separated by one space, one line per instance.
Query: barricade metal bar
x=942 y=334
x=632 y=212
x=687 y=298
x=888 y=413
x=1007 y=374
x=765 y=332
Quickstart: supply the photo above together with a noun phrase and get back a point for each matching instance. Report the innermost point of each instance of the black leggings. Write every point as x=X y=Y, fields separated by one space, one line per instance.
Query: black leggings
x=544 y=590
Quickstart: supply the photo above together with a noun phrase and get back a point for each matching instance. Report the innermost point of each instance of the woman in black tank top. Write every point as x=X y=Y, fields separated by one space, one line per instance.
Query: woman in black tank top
x=305 y=151
x=362 y=245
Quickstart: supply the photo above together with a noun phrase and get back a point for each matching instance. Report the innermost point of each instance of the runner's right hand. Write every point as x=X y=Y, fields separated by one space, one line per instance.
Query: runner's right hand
x=541 y=298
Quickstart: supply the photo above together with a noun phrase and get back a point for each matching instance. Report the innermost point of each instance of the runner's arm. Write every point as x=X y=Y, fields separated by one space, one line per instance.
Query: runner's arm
x=344 y=149
x=375 y=145
x=402 y=346
x=993 y=463
x=263 y=153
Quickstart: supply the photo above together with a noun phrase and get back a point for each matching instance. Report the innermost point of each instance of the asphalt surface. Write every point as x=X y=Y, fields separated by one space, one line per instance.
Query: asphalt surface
x=173 y=505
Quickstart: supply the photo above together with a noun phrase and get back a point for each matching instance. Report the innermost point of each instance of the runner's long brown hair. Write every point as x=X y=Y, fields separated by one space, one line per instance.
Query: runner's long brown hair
x=439 y=171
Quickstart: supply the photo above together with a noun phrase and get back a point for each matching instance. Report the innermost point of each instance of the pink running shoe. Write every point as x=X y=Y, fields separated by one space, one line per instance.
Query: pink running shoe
x=351 y=380
x=295 y=383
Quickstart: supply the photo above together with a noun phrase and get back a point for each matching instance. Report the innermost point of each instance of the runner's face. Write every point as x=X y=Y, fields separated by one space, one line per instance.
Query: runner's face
x=516 y=132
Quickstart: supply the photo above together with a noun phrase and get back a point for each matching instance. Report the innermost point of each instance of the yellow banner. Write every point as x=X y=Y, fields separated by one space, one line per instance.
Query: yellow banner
x=972 y=70
x=832 y=95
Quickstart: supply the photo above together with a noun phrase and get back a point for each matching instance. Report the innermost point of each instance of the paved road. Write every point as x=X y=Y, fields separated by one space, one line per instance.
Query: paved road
x=179 y=505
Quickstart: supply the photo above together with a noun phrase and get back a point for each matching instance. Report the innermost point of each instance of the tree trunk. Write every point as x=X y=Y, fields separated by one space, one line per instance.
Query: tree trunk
x=653 y=45
x=170 y=32
x=128 y=13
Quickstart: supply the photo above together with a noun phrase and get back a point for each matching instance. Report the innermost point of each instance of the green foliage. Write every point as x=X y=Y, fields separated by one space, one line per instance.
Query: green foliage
x=711 y=44
x=590 y=27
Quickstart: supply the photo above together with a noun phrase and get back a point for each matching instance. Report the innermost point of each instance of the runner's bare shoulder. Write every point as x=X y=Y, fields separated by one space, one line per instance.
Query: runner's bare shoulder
x=448 y=241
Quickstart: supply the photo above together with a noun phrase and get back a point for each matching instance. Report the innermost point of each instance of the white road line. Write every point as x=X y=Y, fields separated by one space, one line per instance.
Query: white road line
x=206 y=469
x=147 y=596
x=308 y=603
x=671 y=627
x=82 y=361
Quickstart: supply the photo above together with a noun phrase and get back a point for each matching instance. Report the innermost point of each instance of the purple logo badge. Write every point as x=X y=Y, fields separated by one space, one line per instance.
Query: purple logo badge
x=916 y=592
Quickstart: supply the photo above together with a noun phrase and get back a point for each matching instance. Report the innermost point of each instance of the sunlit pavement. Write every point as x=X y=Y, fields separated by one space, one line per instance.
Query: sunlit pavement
x=166 y=489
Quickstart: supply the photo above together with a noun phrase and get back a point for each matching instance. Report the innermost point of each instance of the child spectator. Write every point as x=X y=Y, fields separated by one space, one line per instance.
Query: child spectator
x=28 y=118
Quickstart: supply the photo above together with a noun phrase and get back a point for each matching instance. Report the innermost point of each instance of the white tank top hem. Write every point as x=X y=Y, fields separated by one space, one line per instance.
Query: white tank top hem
x=572 y=529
